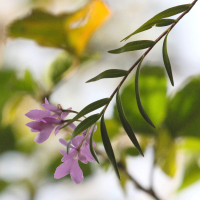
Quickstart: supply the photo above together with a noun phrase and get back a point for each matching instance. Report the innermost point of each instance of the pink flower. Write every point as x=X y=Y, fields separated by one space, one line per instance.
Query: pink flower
x=47 y=106
x=45 y=122
x=70 y=162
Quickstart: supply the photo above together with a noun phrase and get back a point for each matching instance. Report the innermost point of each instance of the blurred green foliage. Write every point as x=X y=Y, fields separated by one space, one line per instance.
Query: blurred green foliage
x=59 y=67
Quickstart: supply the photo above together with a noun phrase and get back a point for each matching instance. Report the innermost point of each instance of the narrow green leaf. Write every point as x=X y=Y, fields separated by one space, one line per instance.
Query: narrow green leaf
x=167 y=61
x=111 y=73
x=85 y=124
x=164 y=22
x=126 y=125
x=91 y=145
x=89 y=108
x=133 y=46
x=107 y=146
x=137 y=94
x=164 y=14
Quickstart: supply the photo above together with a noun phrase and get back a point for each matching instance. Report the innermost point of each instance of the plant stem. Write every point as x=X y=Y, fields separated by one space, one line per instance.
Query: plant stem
x=146 y=52
x=137 y=185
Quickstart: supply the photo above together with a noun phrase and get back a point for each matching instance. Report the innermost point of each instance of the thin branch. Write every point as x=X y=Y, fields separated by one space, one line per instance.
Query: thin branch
x=146 y=52
x=137 y=185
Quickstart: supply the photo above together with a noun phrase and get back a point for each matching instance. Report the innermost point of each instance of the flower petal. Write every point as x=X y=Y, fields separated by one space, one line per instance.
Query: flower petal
x=77 y=140
x=37 y=114
x=63 y=142
x=72 y=126
x=64 y=114
x=82 y=157
x=33 y=130
x=76 y=172
x=52 y=120
x=72 y=154
x=51 y=107
x=86 y=152
x=63 y=152
x=63 y=169
x=46 y=101
x=57 y=129
x=43 y=135
x=36 y=125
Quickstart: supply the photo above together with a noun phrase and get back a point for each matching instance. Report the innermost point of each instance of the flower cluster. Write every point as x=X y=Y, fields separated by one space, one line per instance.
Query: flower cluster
x=53 y=118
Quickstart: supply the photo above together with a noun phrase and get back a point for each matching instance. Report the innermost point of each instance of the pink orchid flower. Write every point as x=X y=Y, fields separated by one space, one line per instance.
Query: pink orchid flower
x=45 y=122
x=70 y=162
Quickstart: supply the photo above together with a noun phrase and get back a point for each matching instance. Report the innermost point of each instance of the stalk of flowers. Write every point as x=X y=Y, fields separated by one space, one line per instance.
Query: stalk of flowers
x=53 y=118
x=79 y=150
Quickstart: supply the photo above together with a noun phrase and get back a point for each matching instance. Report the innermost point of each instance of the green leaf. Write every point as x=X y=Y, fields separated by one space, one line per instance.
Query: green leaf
x=131 y=151
x=126 y=125
x=108 y=147
x=165 y=152
x=137 y=93
x=153 y=88
x=27 y=84
x=41 y=26
x=91 y=145
x=192 y=173
x=89 y=108
x=112 y=126
x=59 y=67
x=167 y=61
x=7 y=139
x=133 y=46
x=164 y=22
x=190 y=144
x=3 y=185
x=111 y=73
x=164 y=14
x=85 y=124
x=183 y=111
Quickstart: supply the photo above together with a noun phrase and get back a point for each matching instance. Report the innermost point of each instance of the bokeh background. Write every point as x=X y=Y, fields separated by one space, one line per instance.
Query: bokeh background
x=50 y=48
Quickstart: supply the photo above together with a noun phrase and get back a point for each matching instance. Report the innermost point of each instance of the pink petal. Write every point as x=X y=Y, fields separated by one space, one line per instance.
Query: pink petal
x=33 y=130
x=37 y=114
x=63 y=169
x=77 y=140
x=50 y=107
x=63 y=142
x=46 y=101
x=43 y=135
x=36 y=125
x=54 y=115
x=64 y=153
x=72 y=126
x=82 y=158
x=64 y=114
x=86 y=152
x=52 y=120
x=72 y=154
x=57 y=129
x=95 y=128
x=76 y=172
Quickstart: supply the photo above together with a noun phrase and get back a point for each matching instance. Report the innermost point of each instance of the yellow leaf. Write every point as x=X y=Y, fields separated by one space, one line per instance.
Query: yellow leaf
x=83 y=23
x=67 y=31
